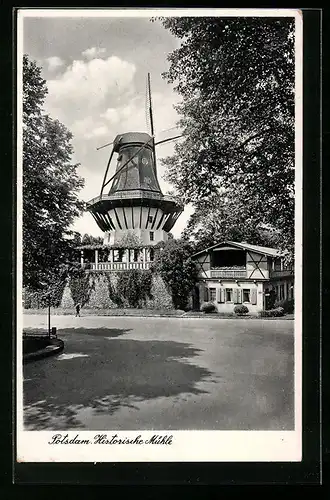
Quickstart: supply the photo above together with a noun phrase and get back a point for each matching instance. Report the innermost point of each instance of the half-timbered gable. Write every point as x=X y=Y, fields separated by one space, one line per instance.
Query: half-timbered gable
x=232 y=273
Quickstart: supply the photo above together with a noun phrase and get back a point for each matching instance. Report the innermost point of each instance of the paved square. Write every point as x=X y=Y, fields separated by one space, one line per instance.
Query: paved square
x=118 y=373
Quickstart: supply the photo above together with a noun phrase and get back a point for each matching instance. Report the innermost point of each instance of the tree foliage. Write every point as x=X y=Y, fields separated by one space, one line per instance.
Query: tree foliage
x=178 y=271
x=134 y=285
x=236 y=80
x=50 y=185
x=129 y=240
x=88 y=239
x=222 y=218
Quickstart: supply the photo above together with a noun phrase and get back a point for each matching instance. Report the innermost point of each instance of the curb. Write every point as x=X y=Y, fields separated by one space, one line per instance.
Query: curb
x=218 y=316
x=181 y=315
x=56 y=346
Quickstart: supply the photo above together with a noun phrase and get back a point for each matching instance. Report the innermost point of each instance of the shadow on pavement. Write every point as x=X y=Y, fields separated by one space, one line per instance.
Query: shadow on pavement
x=95 y=332
x=112 y=373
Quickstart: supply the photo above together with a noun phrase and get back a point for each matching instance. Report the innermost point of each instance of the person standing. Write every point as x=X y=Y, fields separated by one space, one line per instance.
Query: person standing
x=78 y=309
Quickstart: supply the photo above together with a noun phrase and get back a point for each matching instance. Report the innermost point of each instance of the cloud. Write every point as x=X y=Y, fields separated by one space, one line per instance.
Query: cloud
x=54 y=62
x=85 y=84
x=97 y=132
x=112 y=115
x=93 y=52
x=132 y=114
x=88 y=128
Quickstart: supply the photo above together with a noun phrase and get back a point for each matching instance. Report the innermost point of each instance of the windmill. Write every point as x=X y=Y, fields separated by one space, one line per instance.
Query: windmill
x=135 y=203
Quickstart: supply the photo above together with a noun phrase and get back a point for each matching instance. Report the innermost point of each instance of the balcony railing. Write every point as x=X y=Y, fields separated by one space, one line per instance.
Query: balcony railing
x=117 y=266
x=228 y=273
x=281 y=274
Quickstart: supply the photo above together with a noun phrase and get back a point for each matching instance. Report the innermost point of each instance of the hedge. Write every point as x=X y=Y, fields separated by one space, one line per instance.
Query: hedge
x=287 y=304
x=272 y=313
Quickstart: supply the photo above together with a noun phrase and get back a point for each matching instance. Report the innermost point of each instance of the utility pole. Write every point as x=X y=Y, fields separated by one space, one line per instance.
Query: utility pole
x=48 y=314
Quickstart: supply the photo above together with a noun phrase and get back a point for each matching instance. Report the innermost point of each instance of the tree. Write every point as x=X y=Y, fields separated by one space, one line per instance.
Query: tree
x=178 y=271
x=88 y=239
x=221 y=218
x=50 y=186
x=236 y=80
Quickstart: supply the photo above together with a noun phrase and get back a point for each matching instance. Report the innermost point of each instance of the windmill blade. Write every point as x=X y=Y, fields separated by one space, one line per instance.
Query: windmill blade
x=105 y=145
x=146 y=108
x=169 y=139
x=106 y=173
x=171 y=128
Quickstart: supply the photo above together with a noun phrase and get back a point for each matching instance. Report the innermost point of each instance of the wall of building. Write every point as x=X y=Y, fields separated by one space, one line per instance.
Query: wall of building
x=256 y=295
x=256 y=266
x=203 y=263
x=140 y=221
x=130 y=217
x=144 y=236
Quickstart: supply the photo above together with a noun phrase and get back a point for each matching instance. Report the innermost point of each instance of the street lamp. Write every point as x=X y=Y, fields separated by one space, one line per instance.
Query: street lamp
x=48 y=297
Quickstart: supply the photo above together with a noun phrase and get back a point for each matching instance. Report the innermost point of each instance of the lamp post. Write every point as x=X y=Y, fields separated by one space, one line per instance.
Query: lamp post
x=48 y=296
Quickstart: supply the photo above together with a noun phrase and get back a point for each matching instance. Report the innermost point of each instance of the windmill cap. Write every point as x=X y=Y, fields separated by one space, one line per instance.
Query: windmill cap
x=138 y=138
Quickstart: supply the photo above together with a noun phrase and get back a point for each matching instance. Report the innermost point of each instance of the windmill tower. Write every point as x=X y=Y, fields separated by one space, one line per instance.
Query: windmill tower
x=134 y=204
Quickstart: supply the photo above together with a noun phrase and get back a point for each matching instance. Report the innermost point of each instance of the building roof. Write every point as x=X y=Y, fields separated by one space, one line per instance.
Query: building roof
x=271 y=252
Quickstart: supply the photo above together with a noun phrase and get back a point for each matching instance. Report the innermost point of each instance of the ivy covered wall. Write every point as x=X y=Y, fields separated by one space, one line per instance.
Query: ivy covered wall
x=134 y=288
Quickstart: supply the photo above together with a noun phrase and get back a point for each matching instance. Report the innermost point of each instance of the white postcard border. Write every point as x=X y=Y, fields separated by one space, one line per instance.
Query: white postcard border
x=181 y=446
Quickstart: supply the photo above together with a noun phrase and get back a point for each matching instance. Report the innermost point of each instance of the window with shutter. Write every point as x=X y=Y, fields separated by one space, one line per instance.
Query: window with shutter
x=206 y=295
x=253 y=296
x=222 y=295
x=229 y=294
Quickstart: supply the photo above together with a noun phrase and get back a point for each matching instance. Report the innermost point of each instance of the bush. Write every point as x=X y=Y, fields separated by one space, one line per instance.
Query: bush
x=241 y=309
x=208 y=307
x=272 y=313
x=179 y=272
x=286 y=304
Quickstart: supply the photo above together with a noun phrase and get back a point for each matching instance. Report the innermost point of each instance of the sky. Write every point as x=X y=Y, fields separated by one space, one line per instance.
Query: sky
x=96 y=71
